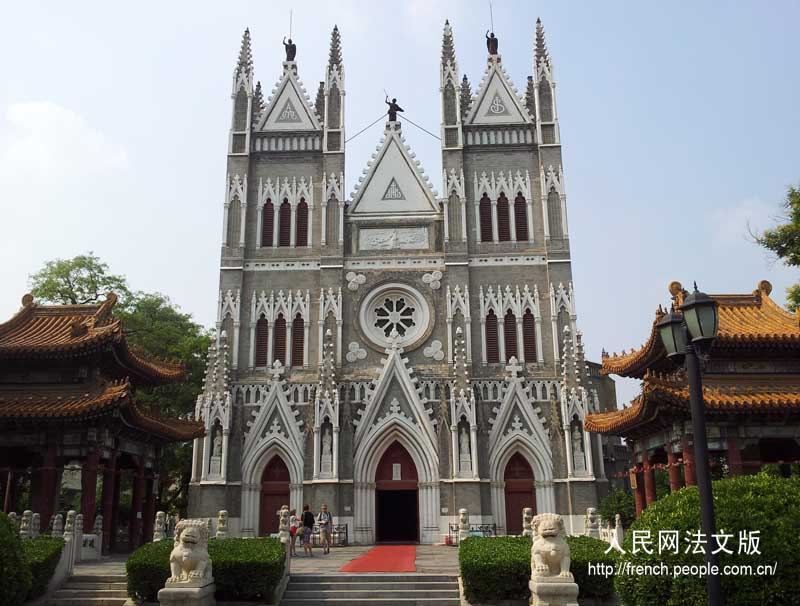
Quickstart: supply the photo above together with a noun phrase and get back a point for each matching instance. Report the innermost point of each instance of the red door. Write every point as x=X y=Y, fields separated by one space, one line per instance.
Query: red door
x=274 y=494
x=396 y=500
x=519 y=492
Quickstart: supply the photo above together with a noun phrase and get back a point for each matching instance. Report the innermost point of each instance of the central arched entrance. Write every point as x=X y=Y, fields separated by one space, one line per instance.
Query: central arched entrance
x=274 y=495
x=519 y=492
x=396 y=497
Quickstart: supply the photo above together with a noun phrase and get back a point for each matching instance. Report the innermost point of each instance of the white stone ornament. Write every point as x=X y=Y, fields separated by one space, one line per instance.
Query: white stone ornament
x=158 y=532
x=222 y=524
x=189 y=563
x=354 y=280
x=527 y=522
x=463 y=524
x=355 y=352
x=283 y=524
x=434 y=350
x=433 y=279
x=551 y=583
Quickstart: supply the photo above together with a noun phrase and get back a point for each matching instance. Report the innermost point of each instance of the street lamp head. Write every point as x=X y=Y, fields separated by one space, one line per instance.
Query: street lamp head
x=673 y=335
x=701 y=316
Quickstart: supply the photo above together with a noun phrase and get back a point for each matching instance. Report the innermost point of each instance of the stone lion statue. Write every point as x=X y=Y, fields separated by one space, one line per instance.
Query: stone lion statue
x=189 y=562
x=550 y=552
x=591 y=527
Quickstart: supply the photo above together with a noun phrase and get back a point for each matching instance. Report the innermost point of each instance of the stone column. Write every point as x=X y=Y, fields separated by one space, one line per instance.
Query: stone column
x=109 y=482
x=734 y=456
x=649 y=481
x=495 y=236
x=89 y=485
x=688 y=462
x=674 y=470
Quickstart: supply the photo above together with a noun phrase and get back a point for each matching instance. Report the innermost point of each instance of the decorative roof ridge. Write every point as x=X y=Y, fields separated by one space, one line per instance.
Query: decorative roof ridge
x=280 y=85
x=493 y=64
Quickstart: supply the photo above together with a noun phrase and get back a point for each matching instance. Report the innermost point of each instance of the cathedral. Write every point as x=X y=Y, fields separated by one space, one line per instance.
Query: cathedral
x=397 y=353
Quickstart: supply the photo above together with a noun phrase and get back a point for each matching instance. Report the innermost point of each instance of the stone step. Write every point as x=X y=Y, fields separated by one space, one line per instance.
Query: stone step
x=422 y=601
x=71 y=584
x=86 y=601
x=396 y=593
x=373 y=577
x=99 y=578
x=368 y=585
x=71 y=592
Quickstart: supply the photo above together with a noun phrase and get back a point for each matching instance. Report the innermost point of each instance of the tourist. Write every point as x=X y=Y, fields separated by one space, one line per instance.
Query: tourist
x=294 y=523
x=308 y=528
x=325 y=522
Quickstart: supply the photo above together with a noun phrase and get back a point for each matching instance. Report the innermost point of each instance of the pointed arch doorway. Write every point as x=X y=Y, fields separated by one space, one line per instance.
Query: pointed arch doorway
x=396 y=497
x=274 y=495
x=519 y=492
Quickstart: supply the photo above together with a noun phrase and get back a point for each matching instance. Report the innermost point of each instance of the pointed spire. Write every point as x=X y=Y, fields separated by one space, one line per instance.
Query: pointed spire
x=245 y=64
x=335 y=53
x=258 y=104
x=319 y=102
x=461 y=379
x=327 y=370
x=466 y=97
x=448 y=49
x=540 y=54
x=530 y=97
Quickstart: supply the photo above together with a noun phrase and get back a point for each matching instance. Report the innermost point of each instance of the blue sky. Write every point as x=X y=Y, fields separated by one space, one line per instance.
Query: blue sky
x=679 y=125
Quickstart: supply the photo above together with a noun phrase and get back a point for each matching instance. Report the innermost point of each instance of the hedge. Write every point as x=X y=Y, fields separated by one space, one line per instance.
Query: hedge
x=748 y=503
x=243 y=569
x=499 y=568
x=42 y=555
x=15 y=576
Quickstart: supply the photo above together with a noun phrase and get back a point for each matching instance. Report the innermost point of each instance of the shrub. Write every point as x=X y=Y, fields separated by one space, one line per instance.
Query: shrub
x=618 y=502
x=15 y=577
x=748 y=503
x=243 y=569
x=499 y=568
x=42 y=555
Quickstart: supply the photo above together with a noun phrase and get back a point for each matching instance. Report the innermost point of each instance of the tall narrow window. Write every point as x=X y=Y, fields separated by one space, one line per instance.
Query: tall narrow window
x=492 y=345
x=285 y=223
x=279 y=340
x=234 y=222
x=562 y=322
x=510 y=335
x=332 y=218
x=262 y=341
x=267 y=223
x=298 y=340
x=521 y=218
x=449 y=104
x=529 y=336
x=545 y=100
x=503 y=224
x=554 y=214
x=334 y=103
x=240 y=111
x=301 y=230
x=485 y=209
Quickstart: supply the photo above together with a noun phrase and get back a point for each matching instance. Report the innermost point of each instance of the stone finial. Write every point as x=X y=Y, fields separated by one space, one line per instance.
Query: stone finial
x=245 y=63
x=222 y=524
x=283 y=524
x=159 y=528
x=98 y=525
x=12 y=517
x=36 y=523
x=189 y=563
x=527 y=522
x=463 y=524
x=540 y=53
x=591 y=524
x=79 y=523
x=69 y=525
x=465 y=97
x=25 y=524
x=448 y=47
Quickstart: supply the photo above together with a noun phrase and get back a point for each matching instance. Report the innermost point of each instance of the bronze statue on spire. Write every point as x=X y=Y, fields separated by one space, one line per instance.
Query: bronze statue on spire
x=290 y=48
x=393 y=109
x=491 y=43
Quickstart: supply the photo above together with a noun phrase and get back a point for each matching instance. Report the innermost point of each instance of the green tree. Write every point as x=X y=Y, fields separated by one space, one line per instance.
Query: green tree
x=618 y=502
x=784 y=241
x=82 y=279
x=153 y=325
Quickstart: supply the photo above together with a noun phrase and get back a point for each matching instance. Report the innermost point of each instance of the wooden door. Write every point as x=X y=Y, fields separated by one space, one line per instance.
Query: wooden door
x=274 y=494
x=519 y=492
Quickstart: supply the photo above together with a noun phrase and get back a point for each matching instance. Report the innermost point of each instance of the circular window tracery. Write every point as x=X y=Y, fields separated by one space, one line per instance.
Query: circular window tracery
x=394 y=308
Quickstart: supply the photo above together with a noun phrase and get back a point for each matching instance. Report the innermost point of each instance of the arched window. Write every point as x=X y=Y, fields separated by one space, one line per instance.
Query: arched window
x=267 y=223
x=234 y=222
x=529 y=336
x=449 y=104
x=298 y=339
x=521 y=218
x=285 y=224
x=545 y=101
x=301 y=229
x=554 y=214
x=492 y=346
x=485 y=209
x=334 y=103
x=332 y=219
x=240 y=111
x=510 y=335
x=503 y=224
x=262 y=341
x=279 y=340
x=454 y=216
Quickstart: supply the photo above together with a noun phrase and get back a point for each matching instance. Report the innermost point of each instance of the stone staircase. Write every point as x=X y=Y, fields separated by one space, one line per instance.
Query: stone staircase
x=91 y=590
x=372 y=588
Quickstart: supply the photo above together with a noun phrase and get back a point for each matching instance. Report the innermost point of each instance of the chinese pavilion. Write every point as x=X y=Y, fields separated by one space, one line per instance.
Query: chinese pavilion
x=751 y=389
x=68 y=379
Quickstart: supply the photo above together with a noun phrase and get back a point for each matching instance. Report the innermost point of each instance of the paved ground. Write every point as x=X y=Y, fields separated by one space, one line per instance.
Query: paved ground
x=430 y=559
x=108 y=565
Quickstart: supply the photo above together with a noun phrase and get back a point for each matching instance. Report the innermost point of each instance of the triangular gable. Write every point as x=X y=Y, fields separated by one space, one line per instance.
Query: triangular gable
x=394 y=183
x=289 y=107
x=382 y=409
x=496 y=101
x=517 y=417
x=274 y=420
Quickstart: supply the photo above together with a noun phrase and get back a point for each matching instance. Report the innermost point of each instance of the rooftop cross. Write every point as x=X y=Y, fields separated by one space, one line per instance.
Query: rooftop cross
x=276 y=371
x=514 y=368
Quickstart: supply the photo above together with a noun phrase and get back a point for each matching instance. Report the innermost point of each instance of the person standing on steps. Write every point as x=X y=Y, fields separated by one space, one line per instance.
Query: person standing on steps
x=325 y=521
x=294 y=526
x=308 y=528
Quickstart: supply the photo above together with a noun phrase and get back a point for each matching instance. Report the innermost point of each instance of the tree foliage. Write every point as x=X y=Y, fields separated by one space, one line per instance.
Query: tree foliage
x=784 y=241
x=82 y=279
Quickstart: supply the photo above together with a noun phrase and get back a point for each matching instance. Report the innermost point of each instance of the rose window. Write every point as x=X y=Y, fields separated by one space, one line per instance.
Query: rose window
x=394 y=314
x=394 y=308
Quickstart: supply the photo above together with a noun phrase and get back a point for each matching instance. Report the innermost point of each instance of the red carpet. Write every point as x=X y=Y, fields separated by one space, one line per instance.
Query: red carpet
x=386 y=558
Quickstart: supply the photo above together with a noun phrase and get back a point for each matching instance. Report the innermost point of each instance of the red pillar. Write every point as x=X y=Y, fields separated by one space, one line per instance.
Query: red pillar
x=89 y=488
x=118 y=476
x=638 y=491
x=674 y=470
x=649 y=481
x=7 y=490
x=688 y=463
x=109 y=482
x=48 y=478
x=734 y=457
x=137 y=501
x=149 y=507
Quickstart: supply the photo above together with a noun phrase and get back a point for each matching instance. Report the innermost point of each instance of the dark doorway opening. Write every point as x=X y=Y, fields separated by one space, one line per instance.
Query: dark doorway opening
x=396 y=498
x=274 y=495
x=519 y=492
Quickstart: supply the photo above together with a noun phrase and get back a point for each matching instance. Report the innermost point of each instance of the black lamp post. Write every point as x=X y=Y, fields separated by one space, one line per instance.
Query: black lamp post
x=686 y=336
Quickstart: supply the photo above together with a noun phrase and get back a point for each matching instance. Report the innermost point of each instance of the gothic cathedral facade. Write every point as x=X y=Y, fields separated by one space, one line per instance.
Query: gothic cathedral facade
x=397 y=354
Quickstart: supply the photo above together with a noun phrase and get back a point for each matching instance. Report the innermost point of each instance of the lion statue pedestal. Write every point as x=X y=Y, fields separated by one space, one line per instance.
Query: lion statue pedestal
x=191 y=583
x=552 y=584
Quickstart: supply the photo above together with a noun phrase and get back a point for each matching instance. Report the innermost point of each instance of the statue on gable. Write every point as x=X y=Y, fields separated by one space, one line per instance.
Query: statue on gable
x=491 y=42
x=290 y=48
x=393 y=109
